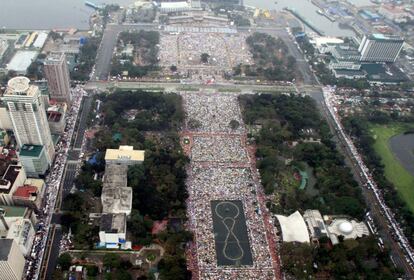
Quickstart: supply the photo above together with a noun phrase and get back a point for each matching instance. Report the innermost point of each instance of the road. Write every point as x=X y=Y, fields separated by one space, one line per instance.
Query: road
x=52 y=248
x=370 y=199
x=107 y=46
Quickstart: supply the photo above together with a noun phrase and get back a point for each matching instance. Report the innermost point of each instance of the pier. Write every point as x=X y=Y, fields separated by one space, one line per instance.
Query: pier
x=305 y=21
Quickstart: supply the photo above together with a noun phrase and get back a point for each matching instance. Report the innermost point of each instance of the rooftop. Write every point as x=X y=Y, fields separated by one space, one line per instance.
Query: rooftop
x=5 y=245
x=293 y=228
x=380 y=36
x=30 y=150
x=13 y=211
x=113 y=223
x=125 y=153
x=26 y=191
x=21 y=61
x=10 y=177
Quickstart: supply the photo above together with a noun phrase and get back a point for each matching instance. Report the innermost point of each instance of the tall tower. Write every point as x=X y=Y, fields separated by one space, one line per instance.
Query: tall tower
x=28 y=115
x=57 y=75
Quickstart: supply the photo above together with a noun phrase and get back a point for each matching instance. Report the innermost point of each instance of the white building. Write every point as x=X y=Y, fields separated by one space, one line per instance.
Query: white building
x=34 y=159
x=380 y=48
x=28 y=115
x=112 y=231
x=21 y=61
x=11 y=260
x=293 y=228
x=348 y=229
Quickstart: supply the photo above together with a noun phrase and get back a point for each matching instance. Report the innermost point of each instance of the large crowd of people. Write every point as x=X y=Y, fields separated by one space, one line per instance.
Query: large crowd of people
x=330 y=101
x=220 y=146
x=53 y=181
x=185 y=49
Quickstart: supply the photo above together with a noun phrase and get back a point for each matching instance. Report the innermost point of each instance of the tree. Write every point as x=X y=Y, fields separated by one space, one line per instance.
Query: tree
x=173 y=68
x=234 y=124
x=65 y=261
x=204 y=57
x=112 y=260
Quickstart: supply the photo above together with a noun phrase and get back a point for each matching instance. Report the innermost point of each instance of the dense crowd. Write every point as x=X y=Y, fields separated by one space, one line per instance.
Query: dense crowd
x=218 y=149
x=331 y=103
x=185 y=49
x=217 y=181
x=213 y=112
x=53 y=181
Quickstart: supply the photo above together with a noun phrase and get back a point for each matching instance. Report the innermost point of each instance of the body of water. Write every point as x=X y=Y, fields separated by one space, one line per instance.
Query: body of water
x=306 y=9
x=402 y=146
x=48 y=14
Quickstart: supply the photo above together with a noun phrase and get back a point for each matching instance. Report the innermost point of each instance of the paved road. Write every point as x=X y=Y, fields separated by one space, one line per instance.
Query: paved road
x=68 y=179
x=383 y=230
x=107 y=46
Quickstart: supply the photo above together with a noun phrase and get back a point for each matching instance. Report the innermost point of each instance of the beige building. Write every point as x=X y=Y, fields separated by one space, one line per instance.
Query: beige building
x=125 y=155
x=28 y=115
x=57 y=76
x=11 y=260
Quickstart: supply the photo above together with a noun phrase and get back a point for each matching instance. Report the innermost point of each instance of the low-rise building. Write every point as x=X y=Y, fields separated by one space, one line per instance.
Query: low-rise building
x=21 y=61
x=315 y=224
x=348 y=229
x=56 y=117
x=34 y=160
x=293 y=228
x=17 y=223
x=13 y=177
x=112 y=231
x=11 y=260
x=30 y=194
x=125 y=155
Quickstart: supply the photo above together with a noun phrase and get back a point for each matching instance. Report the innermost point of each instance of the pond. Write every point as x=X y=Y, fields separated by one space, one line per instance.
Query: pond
x=402 y=146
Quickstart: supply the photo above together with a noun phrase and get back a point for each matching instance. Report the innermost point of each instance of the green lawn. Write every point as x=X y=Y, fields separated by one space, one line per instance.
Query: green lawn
x=394 y=171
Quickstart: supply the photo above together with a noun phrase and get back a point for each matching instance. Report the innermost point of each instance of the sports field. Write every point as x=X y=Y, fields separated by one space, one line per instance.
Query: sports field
x=394 y=171
x=230 y=233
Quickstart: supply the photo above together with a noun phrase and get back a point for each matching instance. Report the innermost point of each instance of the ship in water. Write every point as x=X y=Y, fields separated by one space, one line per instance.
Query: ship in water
x=325 y=14
x=94 y=6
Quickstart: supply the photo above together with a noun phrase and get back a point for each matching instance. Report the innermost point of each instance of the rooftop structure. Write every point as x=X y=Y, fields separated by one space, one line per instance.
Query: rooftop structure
x=56 y=117
x=170 y=7
x=30 y=194
x=315 y=224
x=11 y=260
x=21 y=61
x=34 y=159
x=349 y=229
x=112 y=231
x=124 y=155
x=395 y=13
x=13 y=177
x=293 y=228
x=40 y=40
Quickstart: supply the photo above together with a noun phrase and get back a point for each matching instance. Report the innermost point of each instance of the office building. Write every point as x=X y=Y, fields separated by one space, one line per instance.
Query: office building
x=34 y=159
x=380 y=48
x=57 y=76
x=28 y=115
x=30 y=194
x=56 y=117
x=11 y=260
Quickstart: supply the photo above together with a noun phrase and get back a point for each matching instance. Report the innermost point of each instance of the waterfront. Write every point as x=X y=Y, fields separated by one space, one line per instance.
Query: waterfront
x=306 y=9
x=48 y=14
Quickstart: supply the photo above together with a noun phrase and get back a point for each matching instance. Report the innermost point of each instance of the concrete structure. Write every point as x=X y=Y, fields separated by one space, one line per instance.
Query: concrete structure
x=40 y=40
x=315 y=224
x=17 y=224
x=30 y=194
x=293 y=228
x=174 y=7
x=112 y=231
x=5 y=120
x=56 y=117
x=395 y=13
x=13 y=178
x=11 y=260
x=380 y=48
x=4 y=46
x=116 y=197
x=125 y=155
x=28 y=115
x=324 y=44
x=349 y=229
x=34 y=158
x=21 y=61
x=57 y=76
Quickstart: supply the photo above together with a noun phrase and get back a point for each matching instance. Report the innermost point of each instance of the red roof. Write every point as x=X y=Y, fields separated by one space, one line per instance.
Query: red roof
x=25 y=191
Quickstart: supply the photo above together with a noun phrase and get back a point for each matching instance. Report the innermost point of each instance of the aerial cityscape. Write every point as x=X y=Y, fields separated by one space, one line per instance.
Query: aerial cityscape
x=206 y=139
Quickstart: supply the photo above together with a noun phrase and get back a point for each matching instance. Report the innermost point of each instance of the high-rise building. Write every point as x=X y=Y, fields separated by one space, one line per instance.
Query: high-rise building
x=28 y=115
x=380 y=48
x=11 y=260
x=57 y=76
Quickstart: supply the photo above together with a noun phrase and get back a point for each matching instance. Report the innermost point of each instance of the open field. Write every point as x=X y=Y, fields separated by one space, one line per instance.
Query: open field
x=394 y=171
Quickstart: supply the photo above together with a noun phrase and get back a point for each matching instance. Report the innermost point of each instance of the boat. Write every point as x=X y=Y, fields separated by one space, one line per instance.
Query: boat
x=320 y=12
